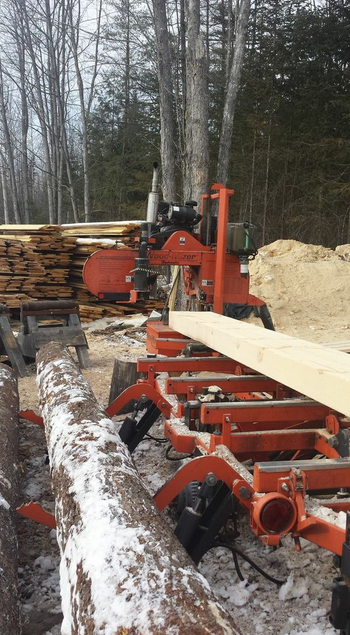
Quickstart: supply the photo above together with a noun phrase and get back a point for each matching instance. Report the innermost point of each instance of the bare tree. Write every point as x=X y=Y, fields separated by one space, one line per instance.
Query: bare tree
x=166 y=93
x=232 y=92
x=21 y=56
x=197 y=136
x=3 y=171
x=34 y=46
x=58 y=60
x=8 y=147
x=86 y=94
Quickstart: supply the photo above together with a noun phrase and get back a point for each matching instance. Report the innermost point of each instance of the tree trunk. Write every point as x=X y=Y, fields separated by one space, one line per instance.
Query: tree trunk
x=266 y=187
x=122 y=569
x=252 y=179
x=9 y=150
x=9 y=608
x=231 y=93
x=167 y=147
x=24 y=126
x=197 y=136
x=85 y=103
x=4 y=192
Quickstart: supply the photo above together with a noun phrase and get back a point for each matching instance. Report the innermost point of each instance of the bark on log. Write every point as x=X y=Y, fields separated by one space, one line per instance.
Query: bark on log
x=9 y=484
x=122 y=570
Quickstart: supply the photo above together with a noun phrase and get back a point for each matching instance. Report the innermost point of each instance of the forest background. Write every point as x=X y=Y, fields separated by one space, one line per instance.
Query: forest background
x=81 y=89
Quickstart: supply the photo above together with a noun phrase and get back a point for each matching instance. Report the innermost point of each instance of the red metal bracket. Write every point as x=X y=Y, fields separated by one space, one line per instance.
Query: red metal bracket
x=30 y=415
x=196 y=470
x=36 y=512
x=133 y=393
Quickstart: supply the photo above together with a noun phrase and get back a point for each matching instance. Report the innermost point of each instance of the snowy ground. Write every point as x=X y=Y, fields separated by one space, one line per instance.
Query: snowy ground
x=298 y=607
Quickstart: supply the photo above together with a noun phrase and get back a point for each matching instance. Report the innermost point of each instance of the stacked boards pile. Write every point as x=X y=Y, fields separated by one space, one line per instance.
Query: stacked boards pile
x=46 y=262
x=35 y=262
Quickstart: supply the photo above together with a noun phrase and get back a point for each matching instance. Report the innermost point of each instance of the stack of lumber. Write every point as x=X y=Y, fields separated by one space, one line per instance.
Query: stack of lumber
x=100 y=309
x=41 y=257
x=20 y=271
x=46 y=262
x=113 y=230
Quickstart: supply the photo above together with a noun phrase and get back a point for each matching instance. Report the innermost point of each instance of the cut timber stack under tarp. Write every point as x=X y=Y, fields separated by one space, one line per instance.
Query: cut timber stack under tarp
x=122 y=570
x=9 y=486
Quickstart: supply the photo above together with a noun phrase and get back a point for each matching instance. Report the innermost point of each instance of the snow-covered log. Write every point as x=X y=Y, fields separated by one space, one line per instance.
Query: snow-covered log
x=122 y=570
x=9 y=611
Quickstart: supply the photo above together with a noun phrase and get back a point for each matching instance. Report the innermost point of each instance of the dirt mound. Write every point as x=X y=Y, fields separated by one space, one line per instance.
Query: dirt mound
x=307 y=288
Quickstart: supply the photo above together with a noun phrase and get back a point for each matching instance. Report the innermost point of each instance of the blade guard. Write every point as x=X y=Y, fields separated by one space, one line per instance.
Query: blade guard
x=108 y=274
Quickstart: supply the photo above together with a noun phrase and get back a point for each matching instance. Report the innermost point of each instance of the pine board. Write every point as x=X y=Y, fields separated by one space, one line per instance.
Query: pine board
x=318 y=372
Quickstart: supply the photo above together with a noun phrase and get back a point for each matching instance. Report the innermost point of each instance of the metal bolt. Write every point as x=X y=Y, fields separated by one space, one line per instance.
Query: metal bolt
x=227 y=419
x=285 y=487
x=333 y=442
x=245 y=493
x=211 y=479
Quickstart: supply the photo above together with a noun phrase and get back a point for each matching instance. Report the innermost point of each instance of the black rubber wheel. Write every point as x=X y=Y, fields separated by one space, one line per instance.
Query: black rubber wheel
x=187 y=497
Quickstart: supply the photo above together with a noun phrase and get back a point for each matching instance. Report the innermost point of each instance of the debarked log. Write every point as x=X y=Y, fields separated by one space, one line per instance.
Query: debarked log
x=123 y=572
x=9 y=484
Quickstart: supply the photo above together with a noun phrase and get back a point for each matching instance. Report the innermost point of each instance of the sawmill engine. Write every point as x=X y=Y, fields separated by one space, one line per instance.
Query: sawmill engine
x=172 y=217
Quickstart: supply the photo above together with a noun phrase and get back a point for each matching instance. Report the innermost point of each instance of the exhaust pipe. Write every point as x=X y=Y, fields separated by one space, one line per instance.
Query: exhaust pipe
x=153 y=197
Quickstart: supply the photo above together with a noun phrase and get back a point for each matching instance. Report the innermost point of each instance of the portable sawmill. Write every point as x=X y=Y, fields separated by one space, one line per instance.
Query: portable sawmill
x=250 y=441
x=213 y=253
x=253 y=441
x=251 y=438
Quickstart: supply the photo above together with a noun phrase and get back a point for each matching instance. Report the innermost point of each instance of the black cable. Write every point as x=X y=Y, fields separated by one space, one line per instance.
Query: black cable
x=237 y=552
x=179 y=458
x=237 y=567
x=156 y=439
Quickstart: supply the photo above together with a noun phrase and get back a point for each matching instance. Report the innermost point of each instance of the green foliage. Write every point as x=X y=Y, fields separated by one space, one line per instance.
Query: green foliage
x=292 y=141
x=122 y=154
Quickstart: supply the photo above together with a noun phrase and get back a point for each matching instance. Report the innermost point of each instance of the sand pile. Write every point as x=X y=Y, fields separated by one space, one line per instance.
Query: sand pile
x=307 y=288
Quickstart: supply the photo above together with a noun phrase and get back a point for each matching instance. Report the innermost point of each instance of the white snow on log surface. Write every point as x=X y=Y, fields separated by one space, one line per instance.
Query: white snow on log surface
x=101 y=540
x=4 y=503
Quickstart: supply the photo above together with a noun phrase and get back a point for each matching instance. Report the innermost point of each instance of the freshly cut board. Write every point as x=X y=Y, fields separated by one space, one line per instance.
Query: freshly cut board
x=309 y=368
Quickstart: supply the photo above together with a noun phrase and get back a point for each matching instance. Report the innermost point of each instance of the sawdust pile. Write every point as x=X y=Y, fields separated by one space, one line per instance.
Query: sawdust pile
x=307 y=288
